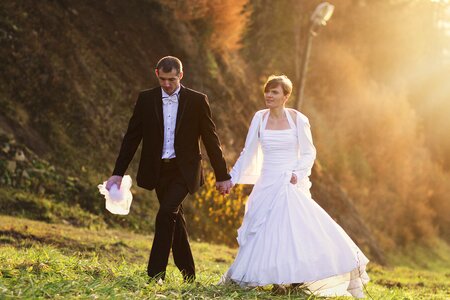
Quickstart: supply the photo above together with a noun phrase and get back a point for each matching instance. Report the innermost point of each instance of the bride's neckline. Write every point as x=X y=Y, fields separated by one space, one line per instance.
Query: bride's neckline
x=288 y=117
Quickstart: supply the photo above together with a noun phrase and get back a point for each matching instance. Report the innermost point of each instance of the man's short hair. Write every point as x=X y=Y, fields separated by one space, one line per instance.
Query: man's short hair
x=279 y=80
x=167 y=63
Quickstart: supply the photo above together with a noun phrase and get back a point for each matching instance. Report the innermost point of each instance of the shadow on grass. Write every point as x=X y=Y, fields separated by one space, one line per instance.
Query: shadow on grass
x=211 y=290
x=67 y=245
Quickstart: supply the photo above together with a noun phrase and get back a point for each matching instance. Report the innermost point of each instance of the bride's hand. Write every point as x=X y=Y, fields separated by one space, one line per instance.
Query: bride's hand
x=294 y=179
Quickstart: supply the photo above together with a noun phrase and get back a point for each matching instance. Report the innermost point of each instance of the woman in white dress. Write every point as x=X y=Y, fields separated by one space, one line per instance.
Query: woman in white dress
x=286 y=237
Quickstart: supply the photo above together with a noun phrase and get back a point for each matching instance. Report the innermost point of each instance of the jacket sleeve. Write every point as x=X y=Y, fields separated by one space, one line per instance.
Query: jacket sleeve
x=131 y=140
x=307 y=151
x=212 y=142
x=247 y=167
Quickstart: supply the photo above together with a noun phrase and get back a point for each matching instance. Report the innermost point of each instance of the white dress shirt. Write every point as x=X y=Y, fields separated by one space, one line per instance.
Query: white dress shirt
x=170 y=109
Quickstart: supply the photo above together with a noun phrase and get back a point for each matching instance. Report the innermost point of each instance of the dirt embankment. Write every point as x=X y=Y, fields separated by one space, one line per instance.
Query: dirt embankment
x=71 y=72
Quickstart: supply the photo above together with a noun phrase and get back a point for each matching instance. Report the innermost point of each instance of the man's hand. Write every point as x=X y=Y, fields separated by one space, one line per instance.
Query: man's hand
x=224 y=187
x=114 y=180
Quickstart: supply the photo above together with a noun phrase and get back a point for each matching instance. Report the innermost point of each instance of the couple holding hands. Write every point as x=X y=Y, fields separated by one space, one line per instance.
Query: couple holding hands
x=285 y=238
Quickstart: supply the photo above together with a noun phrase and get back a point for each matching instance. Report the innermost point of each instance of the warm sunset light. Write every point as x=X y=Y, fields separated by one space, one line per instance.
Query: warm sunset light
x=225 y=149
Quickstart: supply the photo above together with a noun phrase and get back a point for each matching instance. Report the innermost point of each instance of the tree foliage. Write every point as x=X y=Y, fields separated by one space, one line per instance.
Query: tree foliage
x=367 y=85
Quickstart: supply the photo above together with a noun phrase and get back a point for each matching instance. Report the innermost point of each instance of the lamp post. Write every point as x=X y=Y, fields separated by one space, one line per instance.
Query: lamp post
x=321 y=15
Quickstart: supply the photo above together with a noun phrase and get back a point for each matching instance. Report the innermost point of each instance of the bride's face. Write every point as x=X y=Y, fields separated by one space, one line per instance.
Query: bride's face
x=275 y=97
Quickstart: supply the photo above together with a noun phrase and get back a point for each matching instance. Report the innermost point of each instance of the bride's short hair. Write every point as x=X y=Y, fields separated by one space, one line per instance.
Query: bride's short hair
x=279 y=80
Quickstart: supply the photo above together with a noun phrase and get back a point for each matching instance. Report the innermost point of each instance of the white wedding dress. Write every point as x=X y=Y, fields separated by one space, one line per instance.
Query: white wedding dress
x=286 y=237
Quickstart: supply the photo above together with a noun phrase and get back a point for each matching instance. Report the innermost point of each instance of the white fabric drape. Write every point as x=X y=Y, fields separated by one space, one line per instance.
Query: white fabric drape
x=285 y=236
x=247 y=168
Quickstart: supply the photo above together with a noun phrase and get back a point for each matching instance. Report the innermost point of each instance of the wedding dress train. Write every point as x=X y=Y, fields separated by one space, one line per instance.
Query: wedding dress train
x=286 y=237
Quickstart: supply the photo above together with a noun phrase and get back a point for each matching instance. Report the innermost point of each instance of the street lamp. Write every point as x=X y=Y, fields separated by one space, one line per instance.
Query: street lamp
x=321 y=15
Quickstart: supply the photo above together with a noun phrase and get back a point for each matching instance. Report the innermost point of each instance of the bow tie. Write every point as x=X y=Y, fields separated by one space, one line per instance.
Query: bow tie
x=170 y=99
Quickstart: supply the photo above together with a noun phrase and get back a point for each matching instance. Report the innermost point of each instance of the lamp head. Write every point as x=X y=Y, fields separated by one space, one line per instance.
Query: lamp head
x=322 y=14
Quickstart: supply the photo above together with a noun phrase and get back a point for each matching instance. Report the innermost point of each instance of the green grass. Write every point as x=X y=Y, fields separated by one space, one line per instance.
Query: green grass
x=41 y=260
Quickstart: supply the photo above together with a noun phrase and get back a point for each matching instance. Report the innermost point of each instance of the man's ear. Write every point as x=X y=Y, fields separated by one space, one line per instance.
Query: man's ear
x=180 y=75
x=156 y=73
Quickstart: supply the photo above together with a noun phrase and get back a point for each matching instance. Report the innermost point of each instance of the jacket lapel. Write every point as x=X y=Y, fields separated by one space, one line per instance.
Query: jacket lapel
x=159 y=111
x=181 y=108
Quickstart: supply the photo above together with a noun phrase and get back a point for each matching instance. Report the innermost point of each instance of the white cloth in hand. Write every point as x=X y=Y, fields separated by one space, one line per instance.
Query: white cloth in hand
x=118 y=201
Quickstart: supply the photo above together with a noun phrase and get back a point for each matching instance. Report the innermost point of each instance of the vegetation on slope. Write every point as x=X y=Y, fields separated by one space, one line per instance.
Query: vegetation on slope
x=71 y=75
x=40 y=260
x=71 y=72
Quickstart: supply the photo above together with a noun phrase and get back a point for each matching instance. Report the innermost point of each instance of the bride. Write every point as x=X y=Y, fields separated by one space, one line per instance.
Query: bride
x=286 y=237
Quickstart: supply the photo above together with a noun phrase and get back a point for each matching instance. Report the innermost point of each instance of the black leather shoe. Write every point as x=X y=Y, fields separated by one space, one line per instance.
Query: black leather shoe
x=158 y=278
x=157 y=281
x=189 y=278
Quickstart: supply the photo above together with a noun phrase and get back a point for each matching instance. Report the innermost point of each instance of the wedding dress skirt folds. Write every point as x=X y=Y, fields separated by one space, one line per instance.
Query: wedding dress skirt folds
x=286 y=237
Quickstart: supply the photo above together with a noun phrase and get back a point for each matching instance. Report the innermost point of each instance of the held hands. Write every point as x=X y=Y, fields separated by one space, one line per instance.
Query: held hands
x=224 y=187
x=117 y=180
x=294 y=179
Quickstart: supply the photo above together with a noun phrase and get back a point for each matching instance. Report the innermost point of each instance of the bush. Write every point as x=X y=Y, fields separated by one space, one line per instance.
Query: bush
x=214 y=217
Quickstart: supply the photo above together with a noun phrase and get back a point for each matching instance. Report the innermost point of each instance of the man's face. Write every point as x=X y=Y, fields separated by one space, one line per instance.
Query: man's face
x=169 y=81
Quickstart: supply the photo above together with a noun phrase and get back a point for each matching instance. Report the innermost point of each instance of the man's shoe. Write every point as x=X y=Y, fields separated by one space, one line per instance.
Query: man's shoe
x=156 y=280
x=189 y=278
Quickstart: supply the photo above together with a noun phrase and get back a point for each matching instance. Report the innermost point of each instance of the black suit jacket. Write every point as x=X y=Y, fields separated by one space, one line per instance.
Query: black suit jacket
x=193 y=122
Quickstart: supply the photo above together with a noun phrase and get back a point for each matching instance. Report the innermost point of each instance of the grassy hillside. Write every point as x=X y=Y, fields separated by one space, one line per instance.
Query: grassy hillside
x=71 y=72
x=40 y=260
x=70 y=75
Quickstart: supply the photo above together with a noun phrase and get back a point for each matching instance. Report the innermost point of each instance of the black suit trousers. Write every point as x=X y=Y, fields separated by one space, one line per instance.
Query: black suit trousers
x=170 y=226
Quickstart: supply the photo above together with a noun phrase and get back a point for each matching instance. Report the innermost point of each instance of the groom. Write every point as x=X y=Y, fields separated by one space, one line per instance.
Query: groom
x=170 y=120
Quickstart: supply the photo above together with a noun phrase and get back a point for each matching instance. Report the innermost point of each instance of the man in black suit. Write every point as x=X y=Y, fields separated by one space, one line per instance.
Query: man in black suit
x=170 y=120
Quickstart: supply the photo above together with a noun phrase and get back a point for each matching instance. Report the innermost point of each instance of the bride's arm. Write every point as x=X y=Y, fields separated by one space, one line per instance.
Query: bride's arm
x=306 y=148
x=249 y=149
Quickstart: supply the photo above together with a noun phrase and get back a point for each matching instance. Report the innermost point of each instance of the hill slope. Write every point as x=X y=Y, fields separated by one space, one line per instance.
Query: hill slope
x=59 y=261
x=70 y=74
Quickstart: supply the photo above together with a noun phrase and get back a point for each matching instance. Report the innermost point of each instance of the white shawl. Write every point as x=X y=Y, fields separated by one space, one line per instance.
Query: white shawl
x=247 y=168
